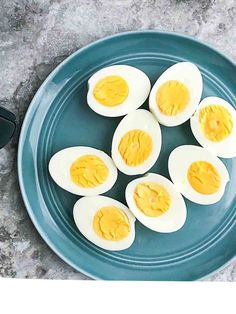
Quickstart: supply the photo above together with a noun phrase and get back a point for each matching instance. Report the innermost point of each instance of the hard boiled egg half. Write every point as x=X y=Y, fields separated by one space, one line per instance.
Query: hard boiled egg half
x=83 y=170
x=105 y=222
x=176 y=94
x=117 y=90
x=136 y=142
x=198 y=174
x=214 y=126
x=155 y=203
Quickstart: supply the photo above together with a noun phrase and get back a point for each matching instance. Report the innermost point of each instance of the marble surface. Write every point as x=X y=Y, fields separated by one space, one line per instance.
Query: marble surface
x=36 y=35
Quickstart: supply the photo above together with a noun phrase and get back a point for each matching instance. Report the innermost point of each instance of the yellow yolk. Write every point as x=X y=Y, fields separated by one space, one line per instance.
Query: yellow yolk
x=172 y=98
x=88 y=171
x=216 y=122
x=135 y=147
x=111 y=91
x=204 y=177
x=152 y=199
x=111 y=223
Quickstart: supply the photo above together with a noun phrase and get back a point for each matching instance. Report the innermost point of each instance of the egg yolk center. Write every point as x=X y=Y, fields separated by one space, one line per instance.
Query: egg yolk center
x=204 y=177
x=172 y=98
x=111 y=91
x=152 y=199
x=88 y=171
x=111 y=223
x=135 y=147
x=216 y=122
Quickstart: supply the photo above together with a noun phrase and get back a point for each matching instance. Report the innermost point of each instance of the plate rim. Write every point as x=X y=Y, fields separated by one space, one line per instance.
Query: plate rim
x=28 y=114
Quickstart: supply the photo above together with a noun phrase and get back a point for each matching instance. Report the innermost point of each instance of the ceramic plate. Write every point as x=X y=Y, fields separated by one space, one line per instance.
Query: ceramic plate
x=59 y=117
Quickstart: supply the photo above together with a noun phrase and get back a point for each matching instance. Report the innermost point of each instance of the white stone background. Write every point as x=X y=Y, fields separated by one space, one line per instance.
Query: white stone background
x=37 y=35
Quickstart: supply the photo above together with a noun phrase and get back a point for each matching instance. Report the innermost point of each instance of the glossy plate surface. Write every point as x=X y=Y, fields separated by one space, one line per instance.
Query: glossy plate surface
x=59 y=117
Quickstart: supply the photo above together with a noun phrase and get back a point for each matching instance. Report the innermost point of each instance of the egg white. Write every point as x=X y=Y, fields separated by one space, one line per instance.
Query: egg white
x=84 y=211
x=173 y=219
x=59 y=169
x=188 y=74
x=142 y=120
x=180 y=160
x=225 y=148
x=139 y=89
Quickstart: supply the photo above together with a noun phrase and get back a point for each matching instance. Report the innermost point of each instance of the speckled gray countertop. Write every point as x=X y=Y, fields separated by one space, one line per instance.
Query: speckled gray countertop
x=36 y=35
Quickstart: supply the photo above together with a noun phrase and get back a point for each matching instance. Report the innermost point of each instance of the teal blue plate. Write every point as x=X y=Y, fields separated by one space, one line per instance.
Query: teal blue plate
x=59 y=117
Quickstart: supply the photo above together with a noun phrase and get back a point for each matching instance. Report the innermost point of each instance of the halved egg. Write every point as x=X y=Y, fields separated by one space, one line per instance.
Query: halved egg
x=198 y=174
x=214 y=126
x=155 y=203
x=105 y=222
x=117 y=90
x=136 y=142
x=176 y=94
x=83 y=170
